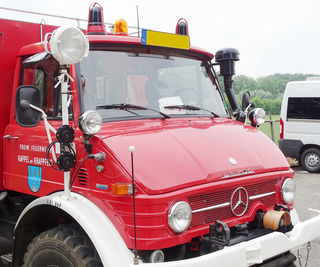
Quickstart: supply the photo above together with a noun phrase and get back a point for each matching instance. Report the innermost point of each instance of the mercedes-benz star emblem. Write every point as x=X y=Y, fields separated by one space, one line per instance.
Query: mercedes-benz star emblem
x=239 y=201
x=232 y=161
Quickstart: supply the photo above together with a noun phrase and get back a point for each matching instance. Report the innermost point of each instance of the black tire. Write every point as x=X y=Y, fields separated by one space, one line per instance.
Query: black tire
x=62 y=246
x=310 y=160
x=5 y=246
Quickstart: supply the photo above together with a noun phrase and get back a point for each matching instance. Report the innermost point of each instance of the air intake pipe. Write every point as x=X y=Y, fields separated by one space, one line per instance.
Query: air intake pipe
x=226 y=59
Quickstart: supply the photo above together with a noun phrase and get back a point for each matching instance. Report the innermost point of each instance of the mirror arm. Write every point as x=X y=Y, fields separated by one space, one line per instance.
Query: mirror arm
x=48 y=128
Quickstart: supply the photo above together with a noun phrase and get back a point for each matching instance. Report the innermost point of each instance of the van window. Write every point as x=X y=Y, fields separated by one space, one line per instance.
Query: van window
x=303 y=108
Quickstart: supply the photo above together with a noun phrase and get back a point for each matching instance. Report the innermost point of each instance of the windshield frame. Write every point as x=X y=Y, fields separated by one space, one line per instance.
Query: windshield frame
x=152 y=50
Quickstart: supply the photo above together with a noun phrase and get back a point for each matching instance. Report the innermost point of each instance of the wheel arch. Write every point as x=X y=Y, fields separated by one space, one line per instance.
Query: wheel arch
x=305 y=147
x=48 y=212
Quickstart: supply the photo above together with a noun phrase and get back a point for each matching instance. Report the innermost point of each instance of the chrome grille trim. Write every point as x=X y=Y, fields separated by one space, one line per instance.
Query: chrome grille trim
x=228 y=203
x=262 y=195
x=212 y=207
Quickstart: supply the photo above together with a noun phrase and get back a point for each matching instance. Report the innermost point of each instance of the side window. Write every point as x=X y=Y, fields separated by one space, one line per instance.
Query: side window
x=303 y=108
x=40 y=70
x=34 y=77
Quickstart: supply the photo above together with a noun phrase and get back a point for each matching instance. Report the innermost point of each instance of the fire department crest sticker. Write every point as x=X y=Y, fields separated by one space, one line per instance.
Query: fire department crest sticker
x=34 y=178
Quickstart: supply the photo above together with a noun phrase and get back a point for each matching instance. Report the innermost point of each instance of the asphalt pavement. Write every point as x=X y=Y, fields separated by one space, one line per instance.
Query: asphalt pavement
x=307 y=196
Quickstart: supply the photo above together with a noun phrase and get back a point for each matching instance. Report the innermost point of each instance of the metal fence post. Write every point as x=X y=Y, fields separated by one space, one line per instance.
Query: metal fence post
x=272 y=128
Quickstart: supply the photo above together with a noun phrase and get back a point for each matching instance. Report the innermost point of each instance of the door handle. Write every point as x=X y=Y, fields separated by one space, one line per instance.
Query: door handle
x=10 y=137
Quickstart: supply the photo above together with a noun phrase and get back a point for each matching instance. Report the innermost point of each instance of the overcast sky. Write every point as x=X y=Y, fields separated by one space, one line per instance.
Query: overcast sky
x=273 y=36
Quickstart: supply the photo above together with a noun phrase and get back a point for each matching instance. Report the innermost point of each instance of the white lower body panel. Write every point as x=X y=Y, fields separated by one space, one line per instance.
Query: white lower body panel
x=257 y=250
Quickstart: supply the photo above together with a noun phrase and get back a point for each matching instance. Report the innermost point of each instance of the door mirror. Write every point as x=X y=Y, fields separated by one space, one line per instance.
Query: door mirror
x=26 y=116
x=245 y=100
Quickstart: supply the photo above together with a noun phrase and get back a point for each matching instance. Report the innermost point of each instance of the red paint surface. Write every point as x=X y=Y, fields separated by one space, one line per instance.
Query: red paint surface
x=175 y=159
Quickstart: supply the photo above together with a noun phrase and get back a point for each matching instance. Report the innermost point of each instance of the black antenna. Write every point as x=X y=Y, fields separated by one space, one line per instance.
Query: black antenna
x=135 y=259
x=138 y=20
x=1 y=33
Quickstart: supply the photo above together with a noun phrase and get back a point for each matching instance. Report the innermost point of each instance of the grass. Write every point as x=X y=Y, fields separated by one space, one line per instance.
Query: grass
x=266 y=127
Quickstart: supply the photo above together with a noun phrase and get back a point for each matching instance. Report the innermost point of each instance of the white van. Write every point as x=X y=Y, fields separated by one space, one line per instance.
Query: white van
x=300 y=123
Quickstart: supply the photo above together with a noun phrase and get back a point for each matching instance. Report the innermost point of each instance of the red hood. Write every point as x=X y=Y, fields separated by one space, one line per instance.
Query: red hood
x=175 y=154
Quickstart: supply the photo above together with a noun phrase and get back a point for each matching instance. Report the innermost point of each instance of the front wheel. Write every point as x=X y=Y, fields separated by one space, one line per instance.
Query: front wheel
x=62 y=246
x=310 y=160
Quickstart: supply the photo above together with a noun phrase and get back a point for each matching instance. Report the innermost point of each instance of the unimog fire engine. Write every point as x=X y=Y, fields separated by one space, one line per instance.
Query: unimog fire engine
x=120 y=150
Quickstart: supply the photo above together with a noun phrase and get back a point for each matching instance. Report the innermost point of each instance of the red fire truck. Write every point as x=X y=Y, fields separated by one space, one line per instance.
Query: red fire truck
x=120 y=150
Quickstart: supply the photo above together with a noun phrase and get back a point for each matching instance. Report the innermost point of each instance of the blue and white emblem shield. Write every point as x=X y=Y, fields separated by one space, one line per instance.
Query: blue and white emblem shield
x=34 y=178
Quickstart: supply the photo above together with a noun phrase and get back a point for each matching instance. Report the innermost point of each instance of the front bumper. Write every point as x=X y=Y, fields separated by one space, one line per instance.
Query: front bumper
x=256 y=250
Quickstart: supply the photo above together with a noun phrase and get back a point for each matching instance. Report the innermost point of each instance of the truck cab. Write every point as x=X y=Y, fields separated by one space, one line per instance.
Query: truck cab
x=120 y=150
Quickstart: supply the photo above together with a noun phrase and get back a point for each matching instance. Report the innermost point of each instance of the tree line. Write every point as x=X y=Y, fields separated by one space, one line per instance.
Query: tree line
x=266 y=92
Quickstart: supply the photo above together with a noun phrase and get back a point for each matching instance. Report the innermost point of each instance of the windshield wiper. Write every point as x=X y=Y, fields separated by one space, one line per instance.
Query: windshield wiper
x=190 y=107
x=128 y=107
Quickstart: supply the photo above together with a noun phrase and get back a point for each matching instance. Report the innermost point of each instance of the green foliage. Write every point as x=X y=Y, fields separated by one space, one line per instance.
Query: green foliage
x=271 y=87
x=272 y=106
x=266 y=92
x=241 y=83
x=266 y=128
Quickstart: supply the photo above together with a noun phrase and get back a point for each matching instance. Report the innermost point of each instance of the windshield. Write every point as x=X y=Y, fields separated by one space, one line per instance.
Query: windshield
x=122 y=84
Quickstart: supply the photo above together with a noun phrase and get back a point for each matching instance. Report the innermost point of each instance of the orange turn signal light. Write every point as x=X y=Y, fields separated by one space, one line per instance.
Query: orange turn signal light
x=120 y=189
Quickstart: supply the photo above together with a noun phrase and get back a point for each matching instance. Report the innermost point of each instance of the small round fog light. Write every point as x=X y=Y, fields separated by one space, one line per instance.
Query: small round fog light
x=90 y=122
x=257 y=116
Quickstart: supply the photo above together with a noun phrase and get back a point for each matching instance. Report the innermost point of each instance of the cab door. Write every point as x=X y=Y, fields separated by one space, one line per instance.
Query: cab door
x=27 y=168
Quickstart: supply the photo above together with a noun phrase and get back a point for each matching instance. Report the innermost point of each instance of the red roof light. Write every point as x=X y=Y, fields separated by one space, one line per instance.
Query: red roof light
x=96 y=20
x=182 y=27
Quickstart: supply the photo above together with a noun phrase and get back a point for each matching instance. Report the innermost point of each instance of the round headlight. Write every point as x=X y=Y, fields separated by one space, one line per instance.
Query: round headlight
x=68 y=45
x=179 y=217
x=257 y=116
x=288 y=190
x=90 y=122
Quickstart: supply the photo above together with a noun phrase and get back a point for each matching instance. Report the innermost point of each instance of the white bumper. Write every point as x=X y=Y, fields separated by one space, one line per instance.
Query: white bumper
x=256 y=250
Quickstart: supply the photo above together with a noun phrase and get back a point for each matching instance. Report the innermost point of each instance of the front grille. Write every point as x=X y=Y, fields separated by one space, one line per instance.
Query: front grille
x=222 y=198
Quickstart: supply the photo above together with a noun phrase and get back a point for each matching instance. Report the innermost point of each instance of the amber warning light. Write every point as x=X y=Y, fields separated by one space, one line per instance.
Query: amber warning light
x=165 y=39
x=121 y=27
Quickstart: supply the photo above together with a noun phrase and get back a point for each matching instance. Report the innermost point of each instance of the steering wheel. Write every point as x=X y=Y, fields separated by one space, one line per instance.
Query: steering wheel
x=187 y=96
